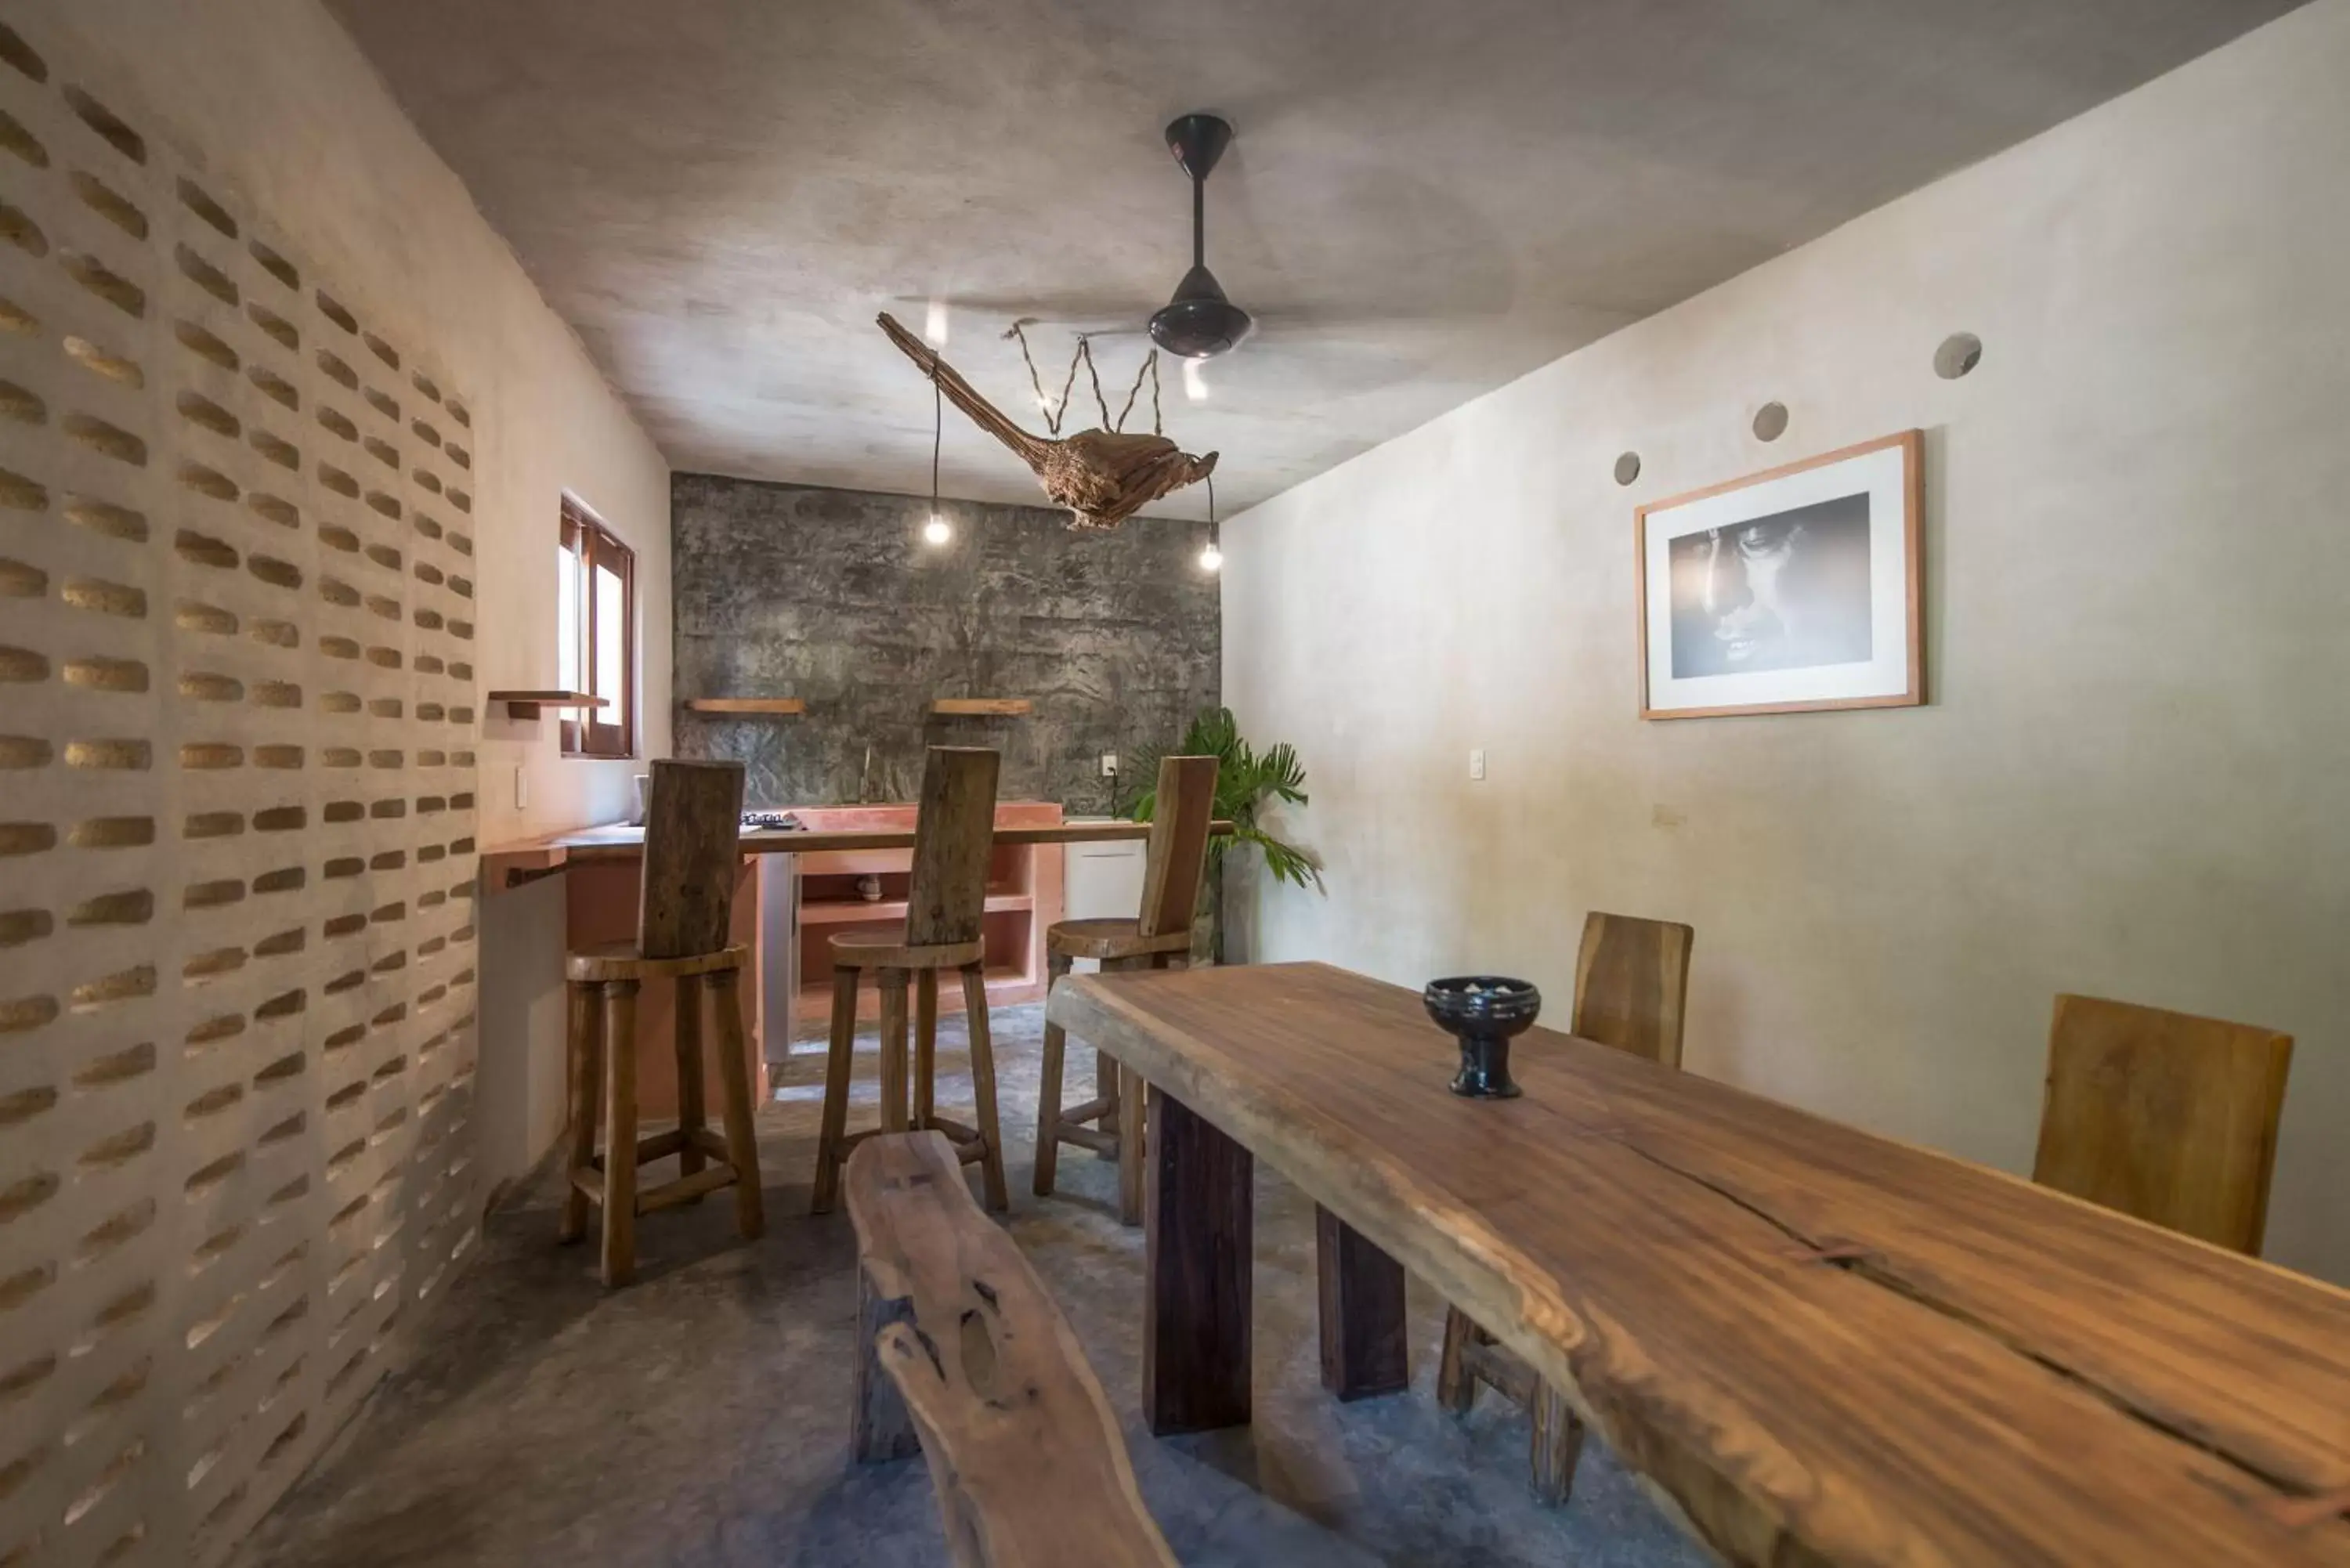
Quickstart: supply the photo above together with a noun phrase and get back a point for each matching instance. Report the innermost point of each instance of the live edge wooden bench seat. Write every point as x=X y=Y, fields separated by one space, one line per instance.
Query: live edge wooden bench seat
x=964 y=1355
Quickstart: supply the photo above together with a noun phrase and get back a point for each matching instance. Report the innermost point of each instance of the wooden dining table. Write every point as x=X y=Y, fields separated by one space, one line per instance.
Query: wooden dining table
x=1819 y=1346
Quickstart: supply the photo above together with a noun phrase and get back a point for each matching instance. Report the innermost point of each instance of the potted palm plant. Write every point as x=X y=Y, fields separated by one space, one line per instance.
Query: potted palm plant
x=1247 y=781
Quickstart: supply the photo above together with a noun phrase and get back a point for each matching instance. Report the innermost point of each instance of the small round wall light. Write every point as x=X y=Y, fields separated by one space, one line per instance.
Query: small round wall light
x=1959 y=353
x=1627 y=468
x=1770 y=421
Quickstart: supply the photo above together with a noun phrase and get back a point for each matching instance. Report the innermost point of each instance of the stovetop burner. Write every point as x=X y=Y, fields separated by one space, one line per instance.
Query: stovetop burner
x=770 y=821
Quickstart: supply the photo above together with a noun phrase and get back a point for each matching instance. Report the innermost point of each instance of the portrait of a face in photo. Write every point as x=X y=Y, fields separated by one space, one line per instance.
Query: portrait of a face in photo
x=1789 y=591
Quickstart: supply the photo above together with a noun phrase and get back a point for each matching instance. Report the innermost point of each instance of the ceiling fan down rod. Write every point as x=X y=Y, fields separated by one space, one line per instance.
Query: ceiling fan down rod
x=1198 y=220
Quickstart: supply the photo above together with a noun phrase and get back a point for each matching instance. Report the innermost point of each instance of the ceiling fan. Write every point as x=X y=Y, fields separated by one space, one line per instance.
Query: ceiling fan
x=1199 y=322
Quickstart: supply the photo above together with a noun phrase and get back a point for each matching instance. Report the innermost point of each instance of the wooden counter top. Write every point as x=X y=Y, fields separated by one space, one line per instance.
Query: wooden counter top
x=507 y=865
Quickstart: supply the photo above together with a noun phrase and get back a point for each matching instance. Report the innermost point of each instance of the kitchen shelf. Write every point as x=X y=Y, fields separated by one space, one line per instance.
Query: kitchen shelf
x=814 y=1001
x=774 y=707
x=981 y=707
x=1023 y=898
x=849 y=911
x=527 y=704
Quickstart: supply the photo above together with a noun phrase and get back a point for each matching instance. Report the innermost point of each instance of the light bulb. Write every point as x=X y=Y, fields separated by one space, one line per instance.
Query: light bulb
x=1195 y=384
x=938 y=530
x=934 y=325
x=1211 y=559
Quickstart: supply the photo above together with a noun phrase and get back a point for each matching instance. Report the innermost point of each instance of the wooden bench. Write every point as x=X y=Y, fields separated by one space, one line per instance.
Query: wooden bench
x=964 y=1355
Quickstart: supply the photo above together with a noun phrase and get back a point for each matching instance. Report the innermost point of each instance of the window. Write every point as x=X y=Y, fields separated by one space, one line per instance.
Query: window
x=596 y=620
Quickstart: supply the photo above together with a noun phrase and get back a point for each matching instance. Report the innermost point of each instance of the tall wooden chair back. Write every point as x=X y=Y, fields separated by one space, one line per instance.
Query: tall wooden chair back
x=693 y=827
x=1631 y=978
x=1185 y=806
x=2164 y=1116
x=955 y=837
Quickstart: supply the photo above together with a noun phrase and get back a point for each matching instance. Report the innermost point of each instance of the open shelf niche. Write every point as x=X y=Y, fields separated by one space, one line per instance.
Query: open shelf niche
x=1023 y=896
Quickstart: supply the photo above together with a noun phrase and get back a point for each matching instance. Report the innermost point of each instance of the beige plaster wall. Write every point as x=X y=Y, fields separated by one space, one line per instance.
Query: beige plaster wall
x=2129 y=780
x=276 y=97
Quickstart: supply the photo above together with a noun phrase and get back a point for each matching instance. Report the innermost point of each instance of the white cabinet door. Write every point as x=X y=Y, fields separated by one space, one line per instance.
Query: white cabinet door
x=1103 y=881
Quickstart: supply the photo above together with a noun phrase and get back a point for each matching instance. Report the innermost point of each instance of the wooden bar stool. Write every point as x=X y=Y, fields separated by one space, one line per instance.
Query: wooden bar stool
x=1631 y=978
x=1110 y=1124
x=946 y=903
x=693 y=823
x=2164 y=1116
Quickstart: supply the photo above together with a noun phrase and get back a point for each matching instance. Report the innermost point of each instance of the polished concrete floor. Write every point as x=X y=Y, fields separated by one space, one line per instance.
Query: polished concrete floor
x=700 y=1415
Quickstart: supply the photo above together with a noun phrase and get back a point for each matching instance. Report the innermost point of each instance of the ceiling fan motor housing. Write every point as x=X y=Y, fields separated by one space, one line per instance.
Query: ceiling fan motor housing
x=1199 y=322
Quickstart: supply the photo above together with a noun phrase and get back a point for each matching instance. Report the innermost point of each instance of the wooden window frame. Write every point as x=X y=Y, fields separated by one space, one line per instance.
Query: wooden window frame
x=601 y=732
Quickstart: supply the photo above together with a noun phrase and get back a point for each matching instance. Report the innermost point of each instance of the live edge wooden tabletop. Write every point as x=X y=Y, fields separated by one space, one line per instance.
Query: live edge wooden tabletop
x=1824 y=1346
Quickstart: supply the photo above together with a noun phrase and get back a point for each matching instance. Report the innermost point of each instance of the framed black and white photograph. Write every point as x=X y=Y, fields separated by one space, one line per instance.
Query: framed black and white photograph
x=1786 y=591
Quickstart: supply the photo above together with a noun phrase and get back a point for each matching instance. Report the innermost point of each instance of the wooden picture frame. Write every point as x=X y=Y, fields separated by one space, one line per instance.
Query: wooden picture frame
x=1798 y=589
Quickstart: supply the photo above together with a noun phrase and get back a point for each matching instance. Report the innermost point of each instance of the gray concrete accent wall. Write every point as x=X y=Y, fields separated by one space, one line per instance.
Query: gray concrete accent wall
x=831 y=596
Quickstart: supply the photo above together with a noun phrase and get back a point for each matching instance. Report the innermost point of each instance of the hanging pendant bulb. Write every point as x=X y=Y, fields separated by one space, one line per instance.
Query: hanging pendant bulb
x=1211 y=559
x=936 y=531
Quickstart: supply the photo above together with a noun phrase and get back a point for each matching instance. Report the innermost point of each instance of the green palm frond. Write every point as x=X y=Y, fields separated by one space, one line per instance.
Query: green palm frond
x=1245 y=780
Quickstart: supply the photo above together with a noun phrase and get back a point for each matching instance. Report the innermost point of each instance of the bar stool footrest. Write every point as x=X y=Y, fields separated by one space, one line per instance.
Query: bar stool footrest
x=1105 y=1144
x=661 y=1146
x=685 y=1188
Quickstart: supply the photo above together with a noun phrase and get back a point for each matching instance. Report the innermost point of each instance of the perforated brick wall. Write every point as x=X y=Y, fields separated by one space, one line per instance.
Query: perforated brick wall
x=236 y=840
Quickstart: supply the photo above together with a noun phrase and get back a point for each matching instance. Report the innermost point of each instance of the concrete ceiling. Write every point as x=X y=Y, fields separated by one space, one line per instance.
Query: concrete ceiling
x=1424 y=201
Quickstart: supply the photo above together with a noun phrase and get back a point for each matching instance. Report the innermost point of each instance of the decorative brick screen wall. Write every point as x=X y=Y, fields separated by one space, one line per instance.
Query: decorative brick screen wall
x=236 y=840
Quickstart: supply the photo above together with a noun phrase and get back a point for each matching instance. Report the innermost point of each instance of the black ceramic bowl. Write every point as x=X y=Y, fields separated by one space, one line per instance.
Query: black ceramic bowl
x=1483 y=1011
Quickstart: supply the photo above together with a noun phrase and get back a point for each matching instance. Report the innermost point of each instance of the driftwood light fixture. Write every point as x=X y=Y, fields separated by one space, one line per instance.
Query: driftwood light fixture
x=1103 y=477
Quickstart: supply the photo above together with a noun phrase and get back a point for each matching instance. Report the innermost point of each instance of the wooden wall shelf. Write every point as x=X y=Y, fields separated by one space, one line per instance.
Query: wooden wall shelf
x=981 y=707
x=772 y=707
x=527 y=704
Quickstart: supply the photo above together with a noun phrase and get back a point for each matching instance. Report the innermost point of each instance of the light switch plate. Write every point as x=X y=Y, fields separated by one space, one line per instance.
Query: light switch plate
x=1109 y=764
x=1477 y=764
x=522 y=788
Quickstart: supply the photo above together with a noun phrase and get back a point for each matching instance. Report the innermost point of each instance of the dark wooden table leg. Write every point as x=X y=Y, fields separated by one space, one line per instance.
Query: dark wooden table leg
x=1200 y=1234
x=1364 y=1344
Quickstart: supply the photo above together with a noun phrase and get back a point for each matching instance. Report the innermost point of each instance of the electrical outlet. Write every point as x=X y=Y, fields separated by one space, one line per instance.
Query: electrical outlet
x=522 y=788
x=1109 y=764
x=1477 y=764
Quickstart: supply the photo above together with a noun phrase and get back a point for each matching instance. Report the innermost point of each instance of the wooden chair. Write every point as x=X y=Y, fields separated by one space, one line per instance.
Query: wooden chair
x=954 y=832
x=1631 y=978
x=693 y=823
x=961 y=1354
x=1110 y=1124
x=2164 y=1116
